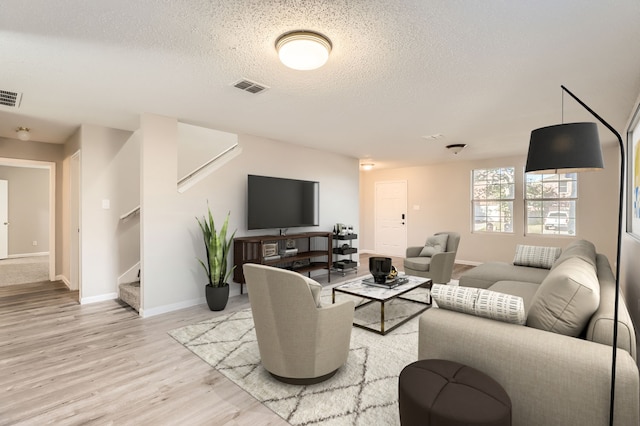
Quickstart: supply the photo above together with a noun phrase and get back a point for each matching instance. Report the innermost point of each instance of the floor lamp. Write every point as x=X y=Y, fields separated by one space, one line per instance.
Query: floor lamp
x=575 y=147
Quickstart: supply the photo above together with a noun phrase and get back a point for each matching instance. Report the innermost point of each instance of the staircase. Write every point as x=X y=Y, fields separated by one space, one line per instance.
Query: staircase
x=130 y=294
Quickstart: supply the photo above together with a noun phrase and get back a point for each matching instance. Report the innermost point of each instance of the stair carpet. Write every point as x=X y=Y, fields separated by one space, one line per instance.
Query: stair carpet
x=130 y=294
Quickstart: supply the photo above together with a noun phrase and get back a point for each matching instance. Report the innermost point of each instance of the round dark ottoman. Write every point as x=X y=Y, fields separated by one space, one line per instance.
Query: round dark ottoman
x=435 y=392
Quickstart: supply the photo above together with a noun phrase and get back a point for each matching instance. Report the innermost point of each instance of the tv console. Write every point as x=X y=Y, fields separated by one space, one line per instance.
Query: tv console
x=260 y=249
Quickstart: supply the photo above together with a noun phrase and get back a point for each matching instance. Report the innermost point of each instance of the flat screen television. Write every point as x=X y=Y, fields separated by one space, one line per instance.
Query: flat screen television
x=282 y=203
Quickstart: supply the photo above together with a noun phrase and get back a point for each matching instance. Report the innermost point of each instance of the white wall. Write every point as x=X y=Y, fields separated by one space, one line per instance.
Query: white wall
x=100 y=173
x=172 y=278
x=127 y=162
x=443 y=193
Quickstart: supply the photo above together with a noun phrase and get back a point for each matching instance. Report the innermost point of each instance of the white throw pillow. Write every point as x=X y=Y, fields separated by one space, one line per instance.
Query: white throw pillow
x=536 y=256
x=435 y=244
x=480 y=302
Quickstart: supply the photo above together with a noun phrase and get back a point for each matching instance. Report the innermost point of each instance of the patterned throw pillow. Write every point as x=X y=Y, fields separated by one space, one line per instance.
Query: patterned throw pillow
x=536 y=256
x=480 y=302
x=435 y=244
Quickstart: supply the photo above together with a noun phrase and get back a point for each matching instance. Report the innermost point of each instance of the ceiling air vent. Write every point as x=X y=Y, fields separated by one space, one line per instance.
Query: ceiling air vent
x=10 y=99
x=250 y=86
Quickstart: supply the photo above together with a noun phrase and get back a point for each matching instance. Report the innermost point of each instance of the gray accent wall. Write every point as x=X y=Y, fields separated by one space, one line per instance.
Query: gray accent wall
x=28 y=209
x=38 y=151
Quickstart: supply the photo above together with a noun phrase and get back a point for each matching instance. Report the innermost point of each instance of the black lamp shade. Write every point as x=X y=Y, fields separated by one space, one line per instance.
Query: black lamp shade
x=564 y=148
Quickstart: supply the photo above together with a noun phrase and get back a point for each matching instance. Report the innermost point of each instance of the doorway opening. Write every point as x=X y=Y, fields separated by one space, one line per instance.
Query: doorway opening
x=49 y=249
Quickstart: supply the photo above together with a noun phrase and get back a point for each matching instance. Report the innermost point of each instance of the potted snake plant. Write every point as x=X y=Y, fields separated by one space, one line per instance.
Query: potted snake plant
x=217 y=248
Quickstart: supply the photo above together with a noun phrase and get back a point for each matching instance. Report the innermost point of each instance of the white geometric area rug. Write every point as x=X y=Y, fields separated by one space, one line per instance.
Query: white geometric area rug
x=363 y=392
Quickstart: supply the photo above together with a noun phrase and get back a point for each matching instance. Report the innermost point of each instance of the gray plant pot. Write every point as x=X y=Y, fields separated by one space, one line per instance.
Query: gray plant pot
x=217 y=297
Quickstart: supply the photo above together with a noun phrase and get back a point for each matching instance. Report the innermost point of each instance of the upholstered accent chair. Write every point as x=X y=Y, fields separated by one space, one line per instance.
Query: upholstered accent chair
x=300 y=341
x=435 y=259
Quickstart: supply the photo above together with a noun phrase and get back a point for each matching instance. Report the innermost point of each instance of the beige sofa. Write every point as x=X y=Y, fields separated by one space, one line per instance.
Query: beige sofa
x=551 y=378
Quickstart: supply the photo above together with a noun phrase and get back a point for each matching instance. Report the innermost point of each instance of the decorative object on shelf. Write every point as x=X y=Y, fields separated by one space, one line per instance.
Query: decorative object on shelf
x=249 y=250
x=288 y=252
x=303 y=50
x=300 y=264
x=291 y=243
x=573 y=147
x=269 y=249
x=380 y=267
x=217 y=249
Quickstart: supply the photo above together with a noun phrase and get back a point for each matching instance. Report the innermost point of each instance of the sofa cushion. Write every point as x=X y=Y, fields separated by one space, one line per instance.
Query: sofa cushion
x=435 y=244
x=480 y=302
x=566 y=299
x=421 y=263
x=536 y=256
x=487 y=274
x=583 y=249
x=522 y=289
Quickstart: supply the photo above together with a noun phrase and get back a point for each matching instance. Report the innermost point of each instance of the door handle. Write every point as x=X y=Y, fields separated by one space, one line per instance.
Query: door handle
x=6 y=223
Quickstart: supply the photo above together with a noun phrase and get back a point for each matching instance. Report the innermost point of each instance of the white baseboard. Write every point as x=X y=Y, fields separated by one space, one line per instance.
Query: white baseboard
x=146 y=313
x=468 y=262
x=15 y=256
x=64 y=280
x=99 y=298
x=130 y=275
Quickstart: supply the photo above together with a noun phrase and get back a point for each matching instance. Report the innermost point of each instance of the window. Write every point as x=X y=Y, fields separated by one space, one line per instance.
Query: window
x=492 y=203
x=550 y=203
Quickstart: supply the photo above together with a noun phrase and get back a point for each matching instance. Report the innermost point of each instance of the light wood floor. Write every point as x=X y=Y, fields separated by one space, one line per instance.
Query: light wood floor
x=68 y=364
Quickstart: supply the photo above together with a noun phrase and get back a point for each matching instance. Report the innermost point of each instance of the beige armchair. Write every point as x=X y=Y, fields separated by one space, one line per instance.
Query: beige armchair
x=299 y=341
x=437 y=266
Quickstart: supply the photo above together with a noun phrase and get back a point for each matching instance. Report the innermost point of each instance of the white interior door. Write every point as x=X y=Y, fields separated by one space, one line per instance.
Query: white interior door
x=390 y=218
x=4 y=219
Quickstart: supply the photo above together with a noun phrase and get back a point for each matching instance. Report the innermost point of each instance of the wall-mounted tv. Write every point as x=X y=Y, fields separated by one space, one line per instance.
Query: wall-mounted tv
x=282 y=203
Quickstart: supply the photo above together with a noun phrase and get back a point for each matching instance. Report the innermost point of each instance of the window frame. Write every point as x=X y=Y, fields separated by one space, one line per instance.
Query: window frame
x=563 y=204
x=502 y=206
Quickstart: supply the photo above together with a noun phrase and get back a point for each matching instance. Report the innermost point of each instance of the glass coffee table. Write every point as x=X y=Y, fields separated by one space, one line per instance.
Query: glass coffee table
x=384 y=295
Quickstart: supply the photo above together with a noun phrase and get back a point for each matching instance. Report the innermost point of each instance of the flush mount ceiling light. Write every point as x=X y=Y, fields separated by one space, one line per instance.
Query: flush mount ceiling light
x=303 y=50
x=23 y=133
x=367 y=166
x=456 y=147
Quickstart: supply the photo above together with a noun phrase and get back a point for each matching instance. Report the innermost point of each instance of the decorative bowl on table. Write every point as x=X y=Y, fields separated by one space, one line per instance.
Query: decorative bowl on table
x=380 y=267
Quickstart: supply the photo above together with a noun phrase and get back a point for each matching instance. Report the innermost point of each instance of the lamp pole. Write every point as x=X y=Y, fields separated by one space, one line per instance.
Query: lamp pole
x=619 y=249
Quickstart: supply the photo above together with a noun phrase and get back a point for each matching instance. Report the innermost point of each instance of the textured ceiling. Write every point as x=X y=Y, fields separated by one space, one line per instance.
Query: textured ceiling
x=483 y=73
